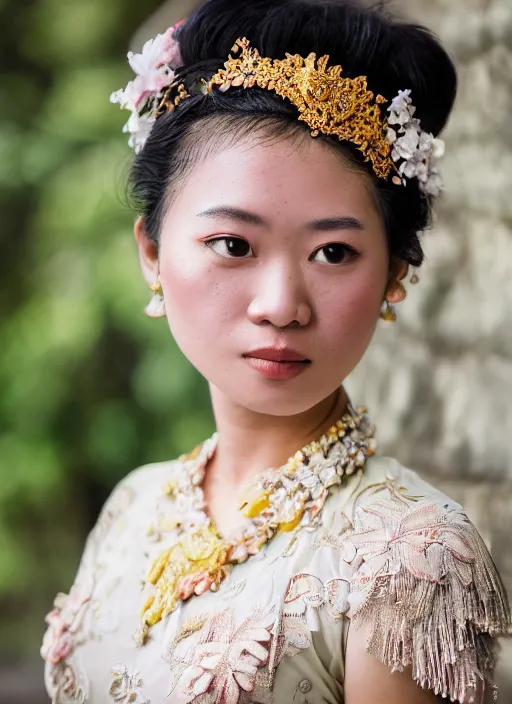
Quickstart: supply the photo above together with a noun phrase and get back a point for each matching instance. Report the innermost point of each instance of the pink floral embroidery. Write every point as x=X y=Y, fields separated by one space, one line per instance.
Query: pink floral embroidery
x=315 y=594
x=197 y=583
x=58 y=643
x=221 y=661
x=64 y=621
x=299 y=616
x=428 y=540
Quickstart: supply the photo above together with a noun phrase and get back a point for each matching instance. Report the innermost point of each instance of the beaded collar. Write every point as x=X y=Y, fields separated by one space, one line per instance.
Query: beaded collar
x=279 y=500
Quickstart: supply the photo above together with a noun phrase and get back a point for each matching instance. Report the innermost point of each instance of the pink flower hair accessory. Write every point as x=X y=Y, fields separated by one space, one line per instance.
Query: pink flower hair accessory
x=155 y=71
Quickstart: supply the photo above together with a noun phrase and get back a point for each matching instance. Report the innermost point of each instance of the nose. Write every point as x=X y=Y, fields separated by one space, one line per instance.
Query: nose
x=281 y=298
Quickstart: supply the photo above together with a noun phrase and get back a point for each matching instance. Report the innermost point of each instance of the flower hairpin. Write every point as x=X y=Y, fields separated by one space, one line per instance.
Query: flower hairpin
x=154 y=70
x=417 y=150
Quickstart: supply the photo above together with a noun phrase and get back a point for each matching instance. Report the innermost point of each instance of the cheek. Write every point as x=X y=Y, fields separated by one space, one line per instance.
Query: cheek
x=364 y=300
x=200 y=299
x=347 y=315
x=355 y=299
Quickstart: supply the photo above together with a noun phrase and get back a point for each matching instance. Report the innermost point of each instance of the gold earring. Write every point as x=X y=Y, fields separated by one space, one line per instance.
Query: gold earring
x=387 y=312
x=414 y=278
x=398 y=295
x=156 y=307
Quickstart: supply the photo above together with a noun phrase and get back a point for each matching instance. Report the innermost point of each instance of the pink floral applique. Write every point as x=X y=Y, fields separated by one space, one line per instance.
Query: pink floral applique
x=197 y=583
x=299 y=617
x=311 y=592
x=64 y=621
x=217 y=661
x=425 y=538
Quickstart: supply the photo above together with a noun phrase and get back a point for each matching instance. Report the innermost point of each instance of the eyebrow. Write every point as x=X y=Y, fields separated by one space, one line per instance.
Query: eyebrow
x=345 y=222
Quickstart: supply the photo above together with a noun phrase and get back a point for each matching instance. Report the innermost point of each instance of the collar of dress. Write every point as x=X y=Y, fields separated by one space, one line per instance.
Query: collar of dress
x=279 y=500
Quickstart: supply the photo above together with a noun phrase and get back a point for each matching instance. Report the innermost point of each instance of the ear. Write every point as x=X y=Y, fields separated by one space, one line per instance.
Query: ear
x=148 y=252
x=398 y=270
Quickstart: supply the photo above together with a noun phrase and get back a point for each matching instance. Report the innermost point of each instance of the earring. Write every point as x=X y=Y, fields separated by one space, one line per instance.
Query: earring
x=387 y=312
x=156 y=307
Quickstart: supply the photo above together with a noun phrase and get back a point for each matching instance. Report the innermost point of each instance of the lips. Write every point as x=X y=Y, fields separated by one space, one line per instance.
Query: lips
x=274 y=354
x=277 y=364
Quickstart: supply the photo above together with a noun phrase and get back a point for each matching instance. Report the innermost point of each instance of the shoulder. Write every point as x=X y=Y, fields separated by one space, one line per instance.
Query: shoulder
x=137 y=489
x=135 y=486
x=425 y=584
x=382 y=475
x=140 y=481
x=137 y=496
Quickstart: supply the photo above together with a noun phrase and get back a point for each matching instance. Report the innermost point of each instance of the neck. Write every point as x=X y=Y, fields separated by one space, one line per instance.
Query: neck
x=250 y=442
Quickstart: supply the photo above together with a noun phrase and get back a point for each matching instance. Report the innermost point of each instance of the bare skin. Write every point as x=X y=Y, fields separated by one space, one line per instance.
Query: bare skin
x=276 y=246
x=308 y=426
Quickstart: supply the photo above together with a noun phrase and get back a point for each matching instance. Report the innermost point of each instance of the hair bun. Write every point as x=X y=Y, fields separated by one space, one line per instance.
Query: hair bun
x=393 y=54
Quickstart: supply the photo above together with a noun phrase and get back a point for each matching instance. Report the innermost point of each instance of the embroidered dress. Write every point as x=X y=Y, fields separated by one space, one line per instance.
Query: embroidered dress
x=387 y=549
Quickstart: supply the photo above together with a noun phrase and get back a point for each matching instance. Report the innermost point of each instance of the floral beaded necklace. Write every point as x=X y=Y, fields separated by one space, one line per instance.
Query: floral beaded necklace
x=279 y=500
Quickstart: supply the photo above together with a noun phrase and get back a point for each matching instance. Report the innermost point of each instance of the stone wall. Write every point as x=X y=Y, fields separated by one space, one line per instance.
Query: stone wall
x=443 y=374
x=439 y=382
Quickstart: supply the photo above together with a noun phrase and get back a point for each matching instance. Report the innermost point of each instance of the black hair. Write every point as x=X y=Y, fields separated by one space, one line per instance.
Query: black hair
x=393 y=54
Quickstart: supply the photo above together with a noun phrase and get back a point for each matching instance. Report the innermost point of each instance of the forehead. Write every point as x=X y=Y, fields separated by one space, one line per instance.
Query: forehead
x=301 y=174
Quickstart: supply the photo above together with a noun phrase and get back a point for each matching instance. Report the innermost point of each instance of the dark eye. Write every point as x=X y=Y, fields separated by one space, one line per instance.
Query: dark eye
x=334 y=253
x=230 y=247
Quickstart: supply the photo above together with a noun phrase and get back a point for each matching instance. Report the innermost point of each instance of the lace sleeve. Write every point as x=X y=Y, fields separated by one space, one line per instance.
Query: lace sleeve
x=431 y=592
x=116 y=504
x=65 y=678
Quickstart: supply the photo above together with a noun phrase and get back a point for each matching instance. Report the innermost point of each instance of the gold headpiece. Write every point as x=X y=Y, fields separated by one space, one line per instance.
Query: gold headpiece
x=326 y=101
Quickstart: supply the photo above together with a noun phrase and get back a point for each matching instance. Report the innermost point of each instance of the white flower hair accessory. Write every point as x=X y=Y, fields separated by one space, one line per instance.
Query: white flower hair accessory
x=417 y=150
x=154 y=70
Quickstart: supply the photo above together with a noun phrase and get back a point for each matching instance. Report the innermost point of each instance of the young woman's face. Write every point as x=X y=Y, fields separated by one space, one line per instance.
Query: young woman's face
x=274 y=265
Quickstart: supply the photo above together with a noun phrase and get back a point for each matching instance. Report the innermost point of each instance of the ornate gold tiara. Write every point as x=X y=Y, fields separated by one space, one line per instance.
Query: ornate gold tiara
x=327 y=102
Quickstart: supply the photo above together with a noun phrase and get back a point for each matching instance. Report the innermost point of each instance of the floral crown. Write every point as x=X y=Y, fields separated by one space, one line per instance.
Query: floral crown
x=328 y=103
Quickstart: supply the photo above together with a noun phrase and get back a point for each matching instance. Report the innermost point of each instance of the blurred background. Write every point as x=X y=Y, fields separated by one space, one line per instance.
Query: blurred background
x=90 y=388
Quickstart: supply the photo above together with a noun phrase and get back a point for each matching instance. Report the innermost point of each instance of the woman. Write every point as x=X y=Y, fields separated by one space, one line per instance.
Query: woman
x=286 y=163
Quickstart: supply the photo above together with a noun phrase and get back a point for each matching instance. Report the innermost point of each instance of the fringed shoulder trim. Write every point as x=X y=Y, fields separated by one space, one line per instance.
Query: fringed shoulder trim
x=430 y=591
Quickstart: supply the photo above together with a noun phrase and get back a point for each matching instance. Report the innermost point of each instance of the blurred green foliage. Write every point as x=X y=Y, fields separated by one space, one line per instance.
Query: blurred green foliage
x=90 y=387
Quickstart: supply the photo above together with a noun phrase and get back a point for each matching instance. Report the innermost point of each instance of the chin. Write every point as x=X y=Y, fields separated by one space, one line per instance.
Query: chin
x=280 y=399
